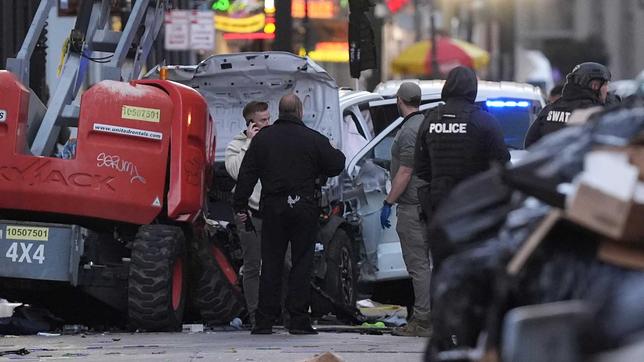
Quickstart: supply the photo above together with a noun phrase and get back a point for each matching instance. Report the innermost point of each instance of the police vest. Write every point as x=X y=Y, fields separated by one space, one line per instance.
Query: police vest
x=453 y=150
x=555 y=116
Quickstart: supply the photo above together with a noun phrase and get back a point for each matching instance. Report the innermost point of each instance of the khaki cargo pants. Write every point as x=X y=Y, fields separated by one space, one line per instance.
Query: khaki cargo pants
x=412 y=231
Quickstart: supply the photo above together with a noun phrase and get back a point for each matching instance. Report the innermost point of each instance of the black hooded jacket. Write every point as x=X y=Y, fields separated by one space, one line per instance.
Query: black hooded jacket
x=457 y=140
x=554 y=116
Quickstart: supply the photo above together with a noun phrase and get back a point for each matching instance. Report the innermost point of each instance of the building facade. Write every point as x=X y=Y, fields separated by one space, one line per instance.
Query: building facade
x=618 y=24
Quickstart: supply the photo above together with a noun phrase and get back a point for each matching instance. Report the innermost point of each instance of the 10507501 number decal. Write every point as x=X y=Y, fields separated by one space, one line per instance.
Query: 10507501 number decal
x=21 y=252
x=29 y=233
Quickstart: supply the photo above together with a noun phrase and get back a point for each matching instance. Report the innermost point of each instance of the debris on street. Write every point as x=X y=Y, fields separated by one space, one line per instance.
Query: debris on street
x=19 y=352
x=326 y=357
x=192 y=328
x=7 y=308
x=27 y=319
x=74 y=329
x=236 y=323
x=389 y=314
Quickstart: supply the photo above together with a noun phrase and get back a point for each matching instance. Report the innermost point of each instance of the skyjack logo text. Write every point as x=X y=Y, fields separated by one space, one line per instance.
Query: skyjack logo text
x=42 y=171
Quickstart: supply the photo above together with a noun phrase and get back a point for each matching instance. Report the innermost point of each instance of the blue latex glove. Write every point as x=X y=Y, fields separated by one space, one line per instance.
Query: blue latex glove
x=384 y=216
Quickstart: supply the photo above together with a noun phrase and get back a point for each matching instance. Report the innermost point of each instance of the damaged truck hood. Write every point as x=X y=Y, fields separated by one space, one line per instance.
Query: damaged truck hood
x=229 y=81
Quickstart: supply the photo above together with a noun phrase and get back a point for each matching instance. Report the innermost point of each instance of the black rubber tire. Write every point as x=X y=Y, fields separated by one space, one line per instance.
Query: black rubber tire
x=217 y=299
x=341 y=279
x=155 y=251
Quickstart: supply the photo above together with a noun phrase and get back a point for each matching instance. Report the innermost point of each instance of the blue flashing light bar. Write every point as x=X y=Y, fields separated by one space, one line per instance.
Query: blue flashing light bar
x=501 y=103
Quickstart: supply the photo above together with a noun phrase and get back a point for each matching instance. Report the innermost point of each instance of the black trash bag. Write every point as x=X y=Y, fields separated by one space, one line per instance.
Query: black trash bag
x=463 y=290
x=559 y=157
x=615 y=293
x=564 y=268
x=473 y=211
x=472 y=206
x=461 y=293
x=28 y=320
x=621 y=318
x=621 y=126
x=556 y=159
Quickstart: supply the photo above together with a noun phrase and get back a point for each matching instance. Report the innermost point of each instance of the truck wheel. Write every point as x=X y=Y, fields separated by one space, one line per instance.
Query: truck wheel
x=341 y=278
x=217 y=294
x=156 y=285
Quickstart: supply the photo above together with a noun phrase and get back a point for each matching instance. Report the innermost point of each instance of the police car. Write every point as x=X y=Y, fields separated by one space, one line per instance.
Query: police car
x=515 y=105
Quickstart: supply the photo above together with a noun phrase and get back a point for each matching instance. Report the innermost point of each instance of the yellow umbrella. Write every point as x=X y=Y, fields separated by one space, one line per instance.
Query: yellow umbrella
x=450 y=53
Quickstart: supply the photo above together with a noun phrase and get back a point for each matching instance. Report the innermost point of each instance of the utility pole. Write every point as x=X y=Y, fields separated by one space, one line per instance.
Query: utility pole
x=307 y=28
x=417 y=21
x=284 y=26
x=506 y=39
x=434 y=50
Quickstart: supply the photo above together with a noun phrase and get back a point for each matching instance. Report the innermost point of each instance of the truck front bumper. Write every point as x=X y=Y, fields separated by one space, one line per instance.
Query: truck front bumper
x=41 y=251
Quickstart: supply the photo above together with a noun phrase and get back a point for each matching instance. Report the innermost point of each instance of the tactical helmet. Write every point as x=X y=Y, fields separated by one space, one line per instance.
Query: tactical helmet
x=584 y=73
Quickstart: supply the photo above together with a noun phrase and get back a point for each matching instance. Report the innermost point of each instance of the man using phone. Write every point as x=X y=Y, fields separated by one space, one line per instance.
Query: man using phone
x=287 y=157
x=257 y=117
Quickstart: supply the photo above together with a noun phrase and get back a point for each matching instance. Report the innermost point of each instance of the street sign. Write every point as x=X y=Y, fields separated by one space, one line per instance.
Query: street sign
x=202 y=30
x=177 y=30
x=189 y=30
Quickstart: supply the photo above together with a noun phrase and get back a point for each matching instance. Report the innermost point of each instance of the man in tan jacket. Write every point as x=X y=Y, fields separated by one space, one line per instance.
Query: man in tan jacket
x=257 y=117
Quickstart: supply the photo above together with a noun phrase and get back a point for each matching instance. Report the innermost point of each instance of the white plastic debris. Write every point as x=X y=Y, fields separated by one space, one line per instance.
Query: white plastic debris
x=6 y=308
x=45 y=334
x=365 y=303
x=236 y=323
x=192 y=328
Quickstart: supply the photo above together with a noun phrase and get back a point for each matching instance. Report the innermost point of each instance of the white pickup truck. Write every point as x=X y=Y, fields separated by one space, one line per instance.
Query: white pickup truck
x=351 y=244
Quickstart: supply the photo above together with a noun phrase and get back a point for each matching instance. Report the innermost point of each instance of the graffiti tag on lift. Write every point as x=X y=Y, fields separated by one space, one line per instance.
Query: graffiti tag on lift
x=117 y=163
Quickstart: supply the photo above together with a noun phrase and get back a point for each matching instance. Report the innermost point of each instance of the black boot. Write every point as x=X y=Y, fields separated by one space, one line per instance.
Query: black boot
x=302 y=331
x=261 y=330
x=262 y=325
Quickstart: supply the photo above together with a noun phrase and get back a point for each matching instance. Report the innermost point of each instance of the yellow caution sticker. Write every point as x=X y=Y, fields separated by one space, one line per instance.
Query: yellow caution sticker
x=141 y=114
x=31 y=233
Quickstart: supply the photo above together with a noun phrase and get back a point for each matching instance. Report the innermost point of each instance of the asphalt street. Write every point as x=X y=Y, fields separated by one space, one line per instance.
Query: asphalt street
x=212 y=346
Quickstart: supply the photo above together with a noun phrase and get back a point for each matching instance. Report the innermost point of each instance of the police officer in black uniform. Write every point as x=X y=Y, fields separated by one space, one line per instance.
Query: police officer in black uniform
x=456 y=140
x=287 y=158
x=586 y=86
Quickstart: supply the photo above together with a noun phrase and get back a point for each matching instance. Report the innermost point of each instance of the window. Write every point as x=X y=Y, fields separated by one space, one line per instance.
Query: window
x=366 y=116
x=353 y=137
x=514 y=121
x=350 y=117
x=380 y=154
